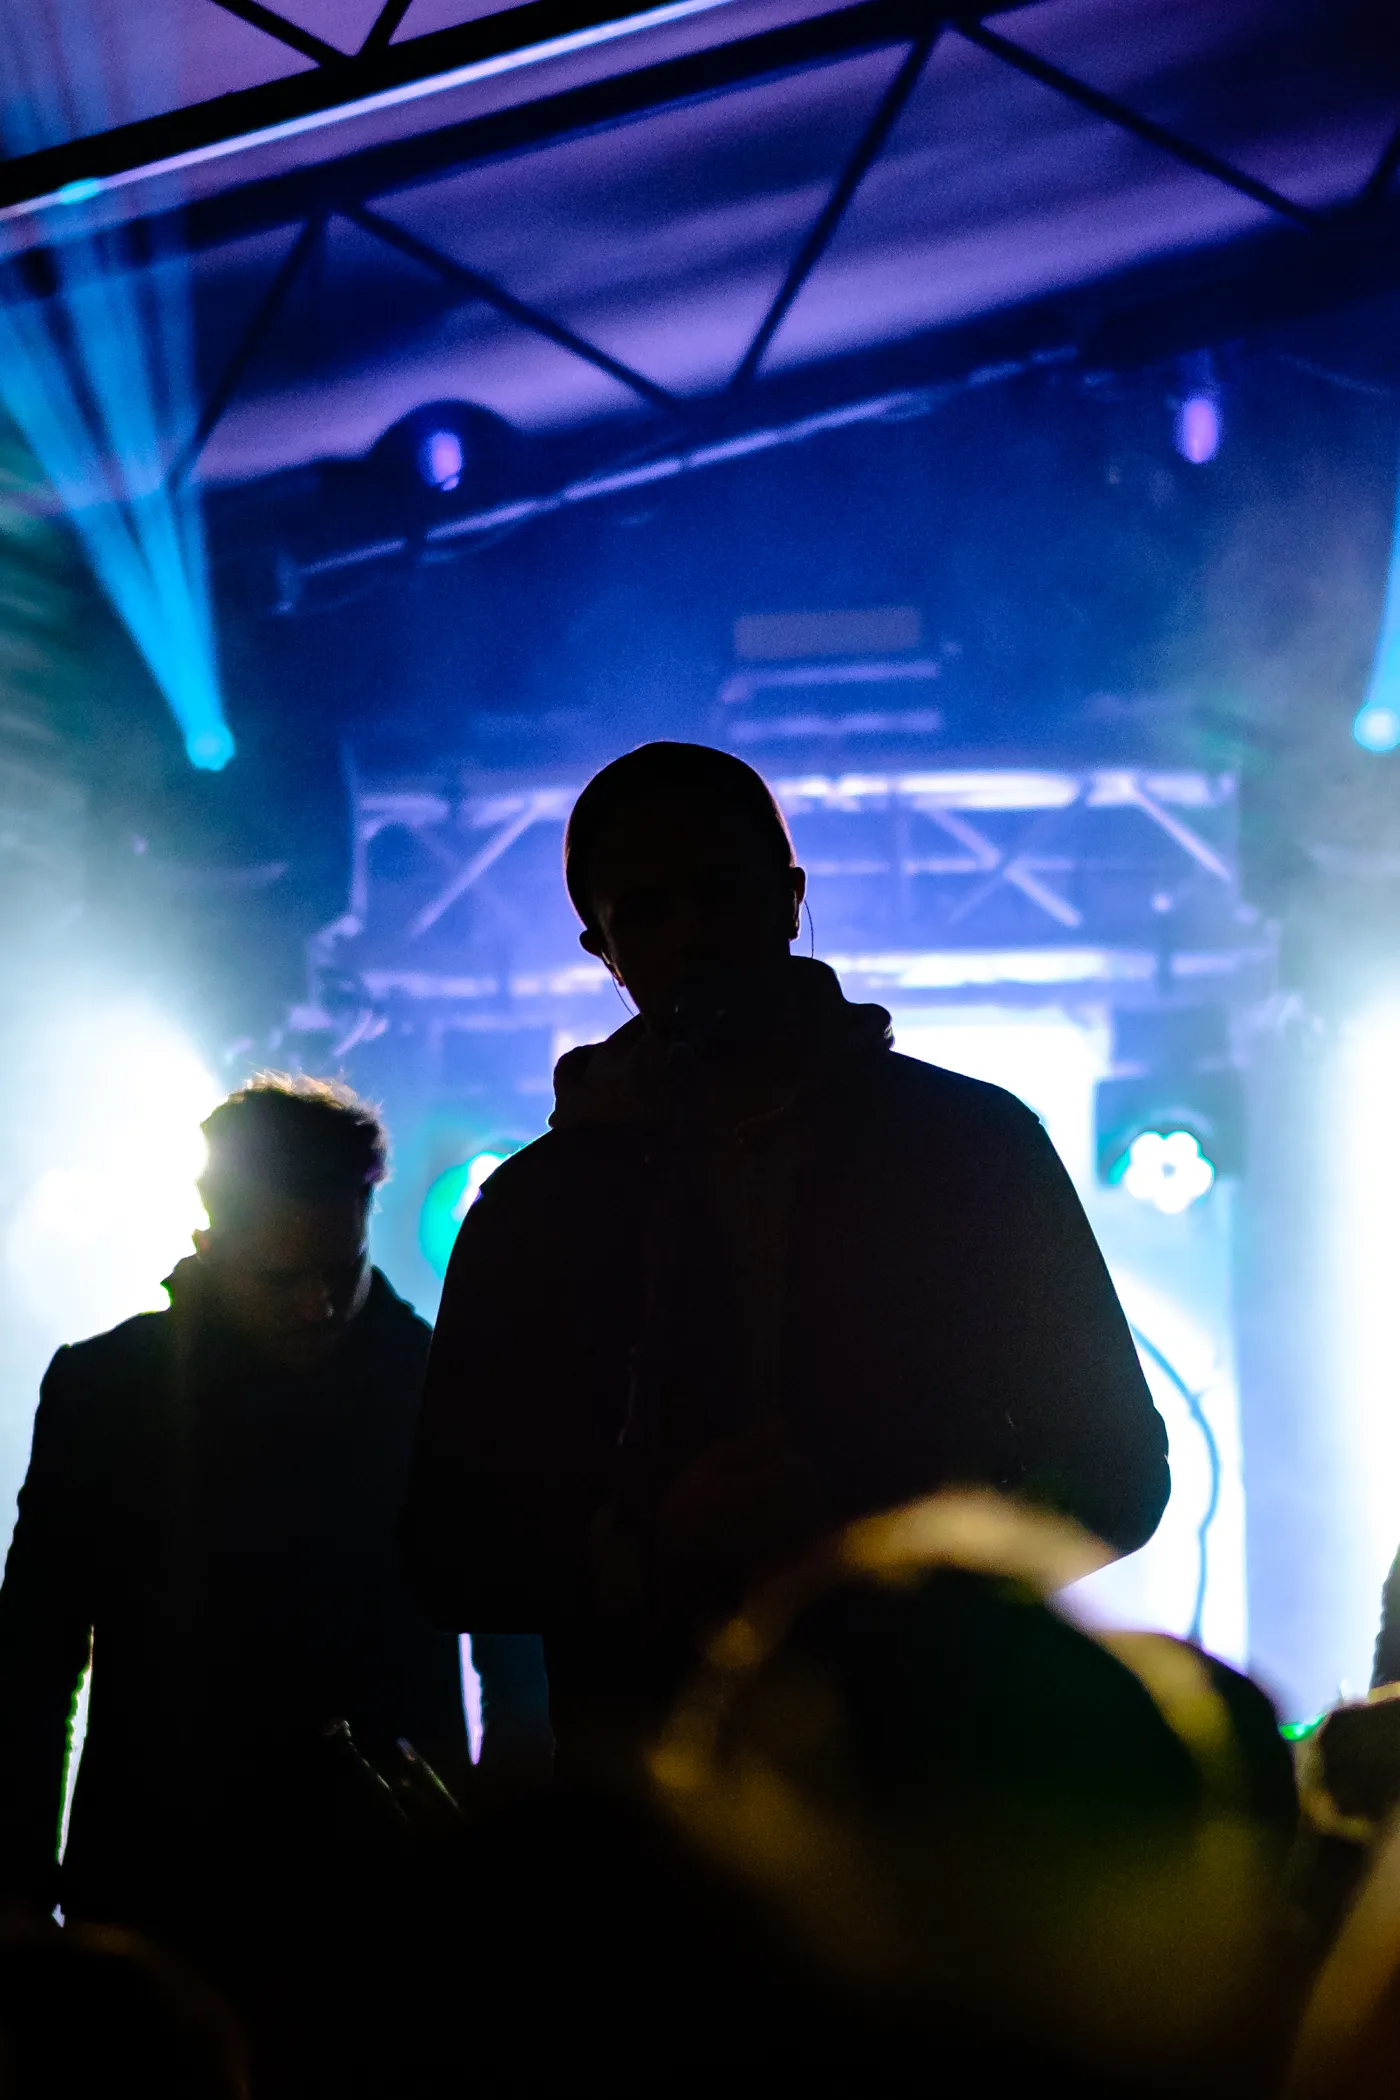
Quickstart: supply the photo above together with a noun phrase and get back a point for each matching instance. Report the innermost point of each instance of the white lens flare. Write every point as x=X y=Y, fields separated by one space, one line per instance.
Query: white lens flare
x=1168 y=1170
x=113 y=1209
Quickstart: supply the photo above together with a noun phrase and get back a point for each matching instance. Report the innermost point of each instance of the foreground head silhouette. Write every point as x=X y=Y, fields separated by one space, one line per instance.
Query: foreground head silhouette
x=92 y=2010
x=680 y=865
x=1000 y=1836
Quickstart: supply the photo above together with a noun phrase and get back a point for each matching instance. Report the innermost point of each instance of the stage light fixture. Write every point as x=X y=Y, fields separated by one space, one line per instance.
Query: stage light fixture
x=445 y=449
x=1168 y=1169
x=447 y=1202
x=1171 y=1120
x=441 y=458
x=1198 y=424
x=1198 y=429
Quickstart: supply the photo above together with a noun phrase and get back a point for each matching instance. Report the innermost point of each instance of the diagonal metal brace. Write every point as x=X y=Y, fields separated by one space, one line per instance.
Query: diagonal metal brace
x=290 y=33
x=1128 y=792
x=1130 y=120
x=265 y=313
x=470 y=284
x=867 y=152
x=471 y=871
x=1019 y=870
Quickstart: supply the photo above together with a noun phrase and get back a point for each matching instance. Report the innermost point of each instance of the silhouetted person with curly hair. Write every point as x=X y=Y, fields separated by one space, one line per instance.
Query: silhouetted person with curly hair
x=209 y=1513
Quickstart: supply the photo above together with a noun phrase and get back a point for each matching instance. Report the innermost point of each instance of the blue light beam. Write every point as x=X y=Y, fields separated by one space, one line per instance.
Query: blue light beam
x=1377 y=723
x=98 y=376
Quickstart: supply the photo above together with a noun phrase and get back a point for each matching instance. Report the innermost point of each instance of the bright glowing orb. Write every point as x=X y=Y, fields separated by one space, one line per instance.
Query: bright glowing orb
x=210 y=749
x=447 y=1203
x=441 y=459
x=1377 y=727
x=1168 y=1170
x=1198 y=429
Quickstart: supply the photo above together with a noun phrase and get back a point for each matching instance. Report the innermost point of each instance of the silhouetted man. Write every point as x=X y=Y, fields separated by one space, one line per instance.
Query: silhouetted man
x=210 y=1506
x=762 y=1275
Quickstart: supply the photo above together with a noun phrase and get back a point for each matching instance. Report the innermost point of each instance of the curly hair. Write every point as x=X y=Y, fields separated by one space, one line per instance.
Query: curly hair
x=287 y=1135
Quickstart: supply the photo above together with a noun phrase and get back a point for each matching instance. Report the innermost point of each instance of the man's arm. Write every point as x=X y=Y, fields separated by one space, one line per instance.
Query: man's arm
x=45 y=1641
x=1086 y=1435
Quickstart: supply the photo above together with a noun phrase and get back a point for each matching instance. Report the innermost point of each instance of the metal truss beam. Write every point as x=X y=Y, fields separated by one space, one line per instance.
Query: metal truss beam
x=1023 y=869
x=384 y=27
x=467 y=525
x=229 y=380
x=235 y=121
x=1161 y=308
x=259 y=205
x=867 y=151
x=341 y=186
x=511 y=825
x=284 y=32
x=1151 y=134
x=1130 y=791
x=1076 y=948
x=470 y=284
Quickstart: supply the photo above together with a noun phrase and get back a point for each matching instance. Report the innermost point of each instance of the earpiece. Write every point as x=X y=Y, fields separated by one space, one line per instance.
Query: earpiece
x=592 y=943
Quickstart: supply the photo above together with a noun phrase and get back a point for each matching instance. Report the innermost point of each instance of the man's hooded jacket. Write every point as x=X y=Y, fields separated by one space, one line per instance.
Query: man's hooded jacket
x=894 y=1266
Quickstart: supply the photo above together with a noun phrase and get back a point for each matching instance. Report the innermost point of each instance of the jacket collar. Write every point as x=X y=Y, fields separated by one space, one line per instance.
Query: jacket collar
x=625 y=1080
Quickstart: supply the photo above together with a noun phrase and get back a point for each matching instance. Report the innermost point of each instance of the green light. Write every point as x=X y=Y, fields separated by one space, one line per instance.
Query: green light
x=447 y=1202
x=1299 y=1731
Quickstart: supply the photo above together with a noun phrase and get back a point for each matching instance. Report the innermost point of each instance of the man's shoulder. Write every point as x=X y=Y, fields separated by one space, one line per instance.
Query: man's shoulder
x=133 y=1341
x=558 y=1156
x=933 y=1092
x=103 y=1363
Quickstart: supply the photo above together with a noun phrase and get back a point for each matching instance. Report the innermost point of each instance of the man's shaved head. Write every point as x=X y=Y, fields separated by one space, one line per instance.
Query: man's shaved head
x=695 y=775
x=680 y=865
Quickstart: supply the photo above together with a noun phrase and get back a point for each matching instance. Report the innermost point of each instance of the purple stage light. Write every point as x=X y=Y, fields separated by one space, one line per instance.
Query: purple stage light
x=441 y=459
x=1198 y=429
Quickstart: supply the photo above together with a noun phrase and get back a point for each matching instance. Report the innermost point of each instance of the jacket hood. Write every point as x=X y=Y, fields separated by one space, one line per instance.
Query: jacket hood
x=624 y=1079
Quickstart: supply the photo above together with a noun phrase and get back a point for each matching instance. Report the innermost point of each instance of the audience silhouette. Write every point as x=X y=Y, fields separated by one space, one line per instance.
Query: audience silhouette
x=781 y=1389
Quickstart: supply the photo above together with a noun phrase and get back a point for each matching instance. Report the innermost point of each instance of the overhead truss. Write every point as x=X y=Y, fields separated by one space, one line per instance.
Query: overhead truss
x=35 y=188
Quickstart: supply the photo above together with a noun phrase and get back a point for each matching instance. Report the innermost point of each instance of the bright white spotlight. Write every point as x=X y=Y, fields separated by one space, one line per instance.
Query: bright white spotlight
x=112 y=1212
x=1168 y=1170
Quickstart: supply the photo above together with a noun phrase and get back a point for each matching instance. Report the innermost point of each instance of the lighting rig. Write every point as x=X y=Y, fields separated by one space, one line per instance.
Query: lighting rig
x=453 y=977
